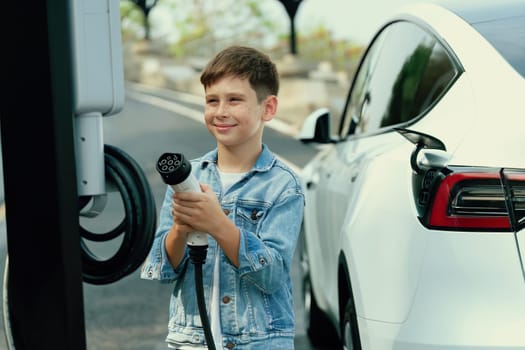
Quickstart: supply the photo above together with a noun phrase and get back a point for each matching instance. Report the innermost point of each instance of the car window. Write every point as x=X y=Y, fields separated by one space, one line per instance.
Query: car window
x=421 y=81
x=410 y=71
x=360 y=85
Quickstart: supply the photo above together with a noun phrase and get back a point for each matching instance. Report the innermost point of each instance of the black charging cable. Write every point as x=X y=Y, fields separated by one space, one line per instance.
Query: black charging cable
x=137 y=228
x=175 y=171
x=198 y=258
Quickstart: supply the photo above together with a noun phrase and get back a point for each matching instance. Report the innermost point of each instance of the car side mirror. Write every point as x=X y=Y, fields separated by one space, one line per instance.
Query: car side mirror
x=316 y=127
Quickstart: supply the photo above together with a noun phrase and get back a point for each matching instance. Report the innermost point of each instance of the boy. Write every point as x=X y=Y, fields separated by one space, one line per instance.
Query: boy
x=251 y=206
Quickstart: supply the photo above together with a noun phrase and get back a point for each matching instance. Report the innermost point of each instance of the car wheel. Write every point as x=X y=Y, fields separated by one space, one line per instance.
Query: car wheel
x=319 y=328
x=349 y=328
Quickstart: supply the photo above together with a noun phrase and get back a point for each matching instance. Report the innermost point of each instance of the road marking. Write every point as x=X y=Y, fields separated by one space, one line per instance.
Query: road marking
x=198 y=116
x=167 y=105
x=166 y=93
x=141 y=94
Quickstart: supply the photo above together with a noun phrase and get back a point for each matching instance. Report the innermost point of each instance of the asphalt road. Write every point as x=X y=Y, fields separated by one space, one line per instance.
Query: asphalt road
x=131 y=314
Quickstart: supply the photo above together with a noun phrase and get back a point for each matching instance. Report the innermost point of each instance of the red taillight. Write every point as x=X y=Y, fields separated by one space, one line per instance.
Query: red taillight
x=476 y=200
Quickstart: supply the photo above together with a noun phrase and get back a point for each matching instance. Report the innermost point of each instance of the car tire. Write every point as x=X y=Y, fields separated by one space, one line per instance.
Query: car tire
x=350 y=331
x=319 y=328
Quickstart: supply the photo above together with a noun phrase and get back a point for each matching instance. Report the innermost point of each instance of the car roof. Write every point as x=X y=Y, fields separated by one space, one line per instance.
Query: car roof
x=500 y=22
x=486 y=10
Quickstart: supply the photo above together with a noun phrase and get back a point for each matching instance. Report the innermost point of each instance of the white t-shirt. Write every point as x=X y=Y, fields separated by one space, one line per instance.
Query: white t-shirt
x=227 y=179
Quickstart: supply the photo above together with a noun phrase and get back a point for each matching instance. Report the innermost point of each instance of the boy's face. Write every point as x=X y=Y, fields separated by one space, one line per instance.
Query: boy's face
x=233 y=115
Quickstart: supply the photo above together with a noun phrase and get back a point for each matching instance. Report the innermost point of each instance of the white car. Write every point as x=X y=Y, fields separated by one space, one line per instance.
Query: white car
x=413 y=236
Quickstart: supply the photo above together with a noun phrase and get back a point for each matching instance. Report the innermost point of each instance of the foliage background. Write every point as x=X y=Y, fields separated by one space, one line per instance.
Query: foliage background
x=183 y=29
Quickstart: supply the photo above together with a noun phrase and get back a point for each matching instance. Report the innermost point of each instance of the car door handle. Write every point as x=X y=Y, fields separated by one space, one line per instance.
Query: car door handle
x=312 y=182
x=310 y=185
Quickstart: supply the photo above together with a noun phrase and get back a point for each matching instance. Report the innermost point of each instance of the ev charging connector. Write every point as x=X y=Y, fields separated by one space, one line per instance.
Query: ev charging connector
x=175 y=171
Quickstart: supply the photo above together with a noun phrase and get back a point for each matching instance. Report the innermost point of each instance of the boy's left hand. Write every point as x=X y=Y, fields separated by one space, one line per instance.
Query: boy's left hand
x=199 y=210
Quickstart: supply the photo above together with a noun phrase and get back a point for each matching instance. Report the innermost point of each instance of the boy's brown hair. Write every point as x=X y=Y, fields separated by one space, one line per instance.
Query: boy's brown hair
x=245 y=63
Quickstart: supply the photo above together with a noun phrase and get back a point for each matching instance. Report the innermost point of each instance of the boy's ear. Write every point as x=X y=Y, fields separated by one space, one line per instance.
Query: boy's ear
x=270 y=107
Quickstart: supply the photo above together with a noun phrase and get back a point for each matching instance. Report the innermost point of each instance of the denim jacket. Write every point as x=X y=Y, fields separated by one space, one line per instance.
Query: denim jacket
x=256 y=301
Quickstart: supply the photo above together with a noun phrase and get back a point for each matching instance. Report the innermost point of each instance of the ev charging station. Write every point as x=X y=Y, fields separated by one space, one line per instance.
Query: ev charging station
x=98 y=80
x=61 y=81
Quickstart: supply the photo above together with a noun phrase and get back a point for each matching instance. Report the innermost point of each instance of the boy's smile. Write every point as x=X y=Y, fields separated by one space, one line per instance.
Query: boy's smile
x=223 y=128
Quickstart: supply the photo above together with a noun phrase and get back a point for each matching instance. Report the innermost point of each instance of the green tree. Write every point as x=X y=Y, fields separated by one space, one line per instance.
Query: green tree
x=205 y=26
